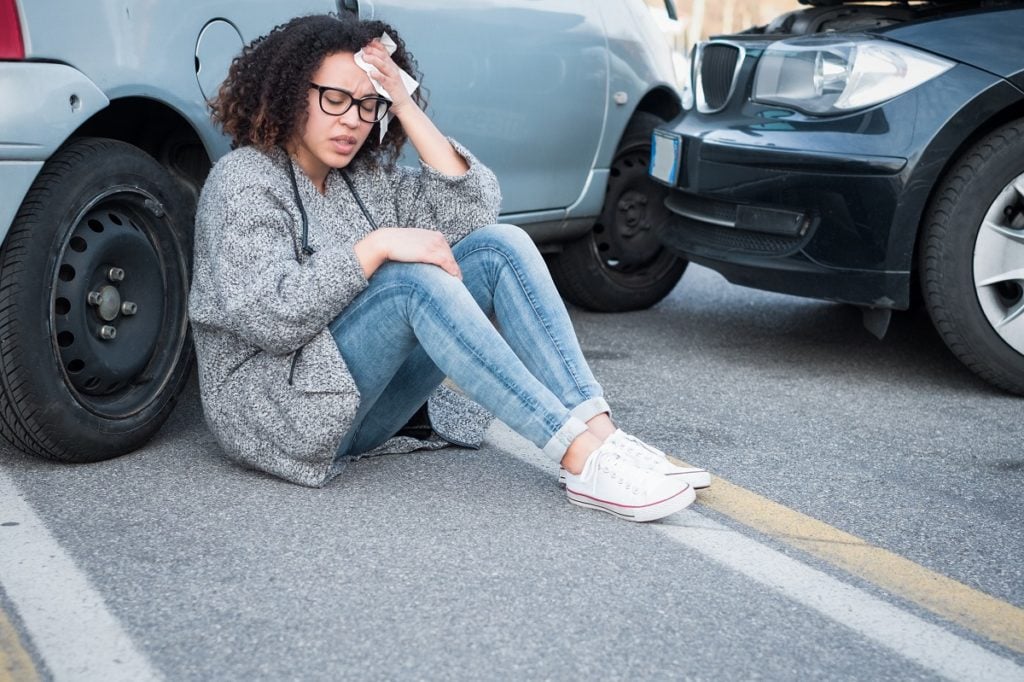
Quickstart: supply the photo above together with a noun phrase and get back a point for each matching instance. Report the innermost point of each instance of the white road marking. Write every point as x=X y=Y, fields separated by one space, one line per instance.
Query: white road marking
x=65 y=617
x=909 y=636
x=926 y=644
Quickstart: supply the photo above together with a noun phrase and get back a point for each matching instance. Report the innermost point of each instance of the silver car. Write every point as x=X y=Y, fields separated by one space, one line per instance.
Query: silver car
x=106 y=141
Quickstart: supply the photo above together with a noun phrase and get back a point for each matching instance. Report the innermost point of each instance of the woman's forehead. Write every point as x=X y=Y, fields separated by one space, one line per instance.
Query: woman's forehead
x=339 y=70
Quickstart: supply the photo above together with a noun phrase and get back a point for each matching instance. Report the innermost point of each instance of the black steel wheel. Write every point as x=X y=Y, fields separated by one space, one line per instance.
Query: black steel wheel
x=94 y=277
x=972 y=258
x=621 y=264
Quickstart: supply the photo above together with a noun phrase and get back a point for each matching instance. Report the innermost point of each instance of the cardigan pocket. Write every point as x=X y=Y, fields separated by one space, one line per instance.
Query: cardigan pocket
x=318 y=367
x=286 y=414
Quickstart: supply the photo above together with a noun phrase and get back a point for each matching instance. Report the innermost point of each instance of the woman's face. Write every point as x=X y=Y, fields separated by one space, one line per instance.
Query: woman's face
x=327 y=141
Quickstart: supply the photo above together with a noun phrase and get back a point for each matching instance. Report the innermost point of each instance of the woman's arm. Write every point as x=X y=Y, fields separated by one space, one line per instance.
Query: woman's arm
x=451 y=192
x=434 y=148
x=407 y=245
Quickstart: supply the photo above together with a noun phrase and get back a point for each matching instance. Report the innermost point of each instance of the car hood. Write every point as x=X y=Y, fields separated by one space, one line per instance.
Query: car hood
x=831 y=3
x=988 y=39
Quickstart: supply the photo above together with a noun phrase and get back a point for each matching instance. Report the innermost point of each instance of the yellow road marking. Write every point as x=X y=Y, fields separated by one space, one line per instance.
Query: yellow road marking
x=983 y=614
x=15 y=663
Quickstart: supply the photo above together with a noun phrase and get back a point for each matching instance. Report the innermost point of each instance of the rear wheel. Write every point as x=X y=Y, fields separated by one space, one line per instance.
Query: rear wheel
x=972 y=258
x=621 y=264
x=93 y=292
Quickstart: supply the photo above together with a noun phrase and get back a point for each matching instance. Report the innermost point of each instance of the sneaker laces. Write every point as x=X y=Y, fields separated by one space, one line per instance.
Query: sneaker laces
x=622 y=471
x=641 y=450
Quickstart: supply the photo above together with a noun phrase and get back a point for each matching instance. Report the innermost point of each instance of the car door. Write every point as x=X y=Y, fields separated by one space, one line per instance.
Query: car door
x=521 y=83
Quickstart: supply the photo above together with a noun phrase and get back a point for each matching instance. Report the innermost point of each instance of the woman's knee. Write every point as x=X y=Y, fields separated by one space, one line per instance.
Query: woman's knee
x=506 y=238
x=421 y=282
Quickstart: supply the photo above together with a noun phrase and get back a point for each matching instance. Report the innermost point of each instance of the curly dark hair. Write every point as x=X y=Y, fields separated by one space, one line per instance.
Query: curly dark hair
x=263 y=100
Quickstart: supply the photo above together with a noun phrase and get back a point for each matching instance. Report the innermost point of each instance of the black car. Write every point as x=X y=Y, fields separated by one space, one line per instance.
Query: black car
x=850 y=151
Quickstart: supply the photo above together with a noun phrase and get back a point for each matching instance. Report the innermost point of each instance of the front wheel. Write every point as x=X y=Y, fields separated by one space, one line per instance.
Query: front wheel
x=93 y=290
x=972 y=258
x=621 y=264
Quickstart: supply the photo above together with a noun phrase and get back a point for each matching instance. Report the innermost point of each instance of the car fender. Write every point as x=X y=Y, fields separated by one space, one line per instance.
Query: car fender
x=72 y=99
x=144 y=49
x=980 y=114
x=641 y=75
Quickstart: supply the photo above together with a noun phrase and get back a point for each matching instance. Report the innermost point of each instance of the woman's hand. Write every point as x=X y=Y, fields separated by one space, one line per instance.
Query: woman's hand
x=406 y=245
x=386 y=73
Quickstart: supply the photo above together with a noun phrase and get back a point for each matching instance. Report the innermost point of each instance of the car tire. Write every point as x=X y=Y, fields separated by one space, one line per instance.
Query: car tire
x=620 y=264
x=972 y=258
x=94 y=275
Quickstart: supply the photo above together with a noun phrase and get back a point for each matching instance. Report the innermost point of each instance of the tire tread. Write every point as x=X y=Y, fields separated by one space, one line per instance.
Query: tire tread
x=21 y=423
x=937 y=231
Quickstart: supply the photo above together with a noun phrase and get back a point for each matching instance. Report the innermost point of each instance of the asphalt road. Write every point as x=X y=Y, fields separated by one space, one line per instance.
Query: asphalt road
x=465 y=564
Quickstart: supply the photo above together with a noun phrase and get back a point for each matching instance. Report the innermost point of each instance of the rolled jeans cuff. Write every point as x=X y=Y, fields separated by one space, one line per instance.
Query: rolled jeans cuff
x=559 y=443
x=590 y=408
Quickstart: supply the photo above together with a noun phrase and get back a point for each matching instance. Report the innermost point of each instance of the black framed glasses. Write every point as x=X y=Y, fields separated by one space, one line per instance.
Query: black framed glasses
x=335 y=102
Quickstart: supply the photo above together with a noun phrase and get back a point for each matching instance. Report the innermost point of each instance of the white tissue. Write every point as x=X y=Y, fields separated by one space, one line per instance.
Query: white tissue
x=409 y=82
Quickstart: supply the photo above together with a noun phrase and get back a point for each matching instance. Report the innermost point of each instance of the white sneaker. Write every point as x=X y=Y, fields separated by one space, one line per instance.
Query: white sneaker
x=611 y=481
x=650 y=457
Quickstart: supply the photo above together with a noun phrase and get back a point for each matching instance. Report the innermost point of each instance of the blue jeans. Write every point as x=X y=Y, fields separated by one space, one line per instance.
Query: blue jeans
x=415 y=324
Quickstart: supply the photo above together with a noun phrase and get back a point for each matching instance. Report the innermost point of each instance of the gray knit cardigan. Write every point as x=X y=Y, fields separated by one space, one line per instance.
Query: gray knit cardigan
x=275 y=389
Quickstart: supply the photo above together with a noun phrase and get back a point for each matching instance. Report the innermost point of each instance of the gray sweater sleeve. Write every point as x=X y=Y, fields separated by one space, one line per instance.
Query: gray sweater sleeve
x=263 y=292
x=455 y=205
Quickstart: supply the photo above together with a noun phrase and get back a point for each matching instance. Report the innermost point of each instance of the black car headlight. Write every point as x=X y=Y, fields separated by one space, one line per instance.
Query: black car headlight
x=832 y=75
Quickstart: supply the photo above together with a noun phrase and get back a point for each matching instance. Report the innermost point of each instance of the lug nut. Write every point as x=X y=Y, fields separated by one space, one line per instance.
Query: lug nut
x=107 y=332
x=129 y=308
x=115 y=274
x=95 y=298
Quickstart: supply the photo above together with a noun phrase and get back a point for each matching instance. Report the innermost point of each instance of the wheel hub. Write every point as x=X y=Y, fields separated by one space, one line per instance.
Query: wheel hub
x=625 y=237
x=632 y=208
x=108 y=298
x=999 y=264
x=107 y=301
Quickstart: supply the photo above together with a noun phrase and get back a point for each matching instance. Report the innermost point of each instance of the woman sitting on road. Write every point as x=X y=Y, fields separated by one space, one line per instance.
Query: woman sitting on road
x=334 y=291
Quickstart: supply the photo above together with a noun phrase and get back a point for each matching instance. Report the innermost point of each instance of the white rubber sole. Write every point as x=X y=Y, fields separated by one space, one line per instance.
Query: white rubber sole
x=698 y=479
x=648 y=512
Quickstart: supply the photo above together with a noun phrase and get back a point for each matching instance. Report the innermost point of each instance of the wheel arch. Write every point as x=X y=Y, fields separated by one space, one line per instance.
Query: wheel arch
x=160 y=131
x=1011 y=112
x=662 y=102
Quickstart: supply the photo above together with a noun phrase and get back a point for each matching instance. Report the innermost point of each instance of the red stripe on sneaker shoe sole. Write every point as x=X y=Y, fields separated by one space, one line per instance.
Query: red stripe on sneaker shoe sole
x=627 y=506
x=561 y=478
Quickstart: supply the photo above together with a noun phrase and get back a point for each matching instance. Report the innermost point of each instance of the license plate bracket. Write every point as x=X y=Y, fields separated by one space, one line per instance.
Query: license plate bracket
x=666 y=157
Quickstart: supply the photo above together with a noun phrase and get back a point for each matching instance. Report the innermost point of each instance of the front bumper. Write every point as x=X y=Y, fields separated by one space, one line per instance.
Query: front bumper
x=823 y=207
x=804 y=223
